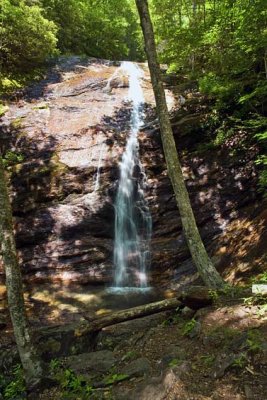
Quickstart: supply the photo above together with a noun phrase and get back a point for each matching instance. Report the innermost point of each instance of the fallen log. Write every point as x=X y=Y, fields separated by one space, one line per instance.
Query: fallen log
x=71 y=339
x=127 y=315
x=65 y=340
x=194 y=297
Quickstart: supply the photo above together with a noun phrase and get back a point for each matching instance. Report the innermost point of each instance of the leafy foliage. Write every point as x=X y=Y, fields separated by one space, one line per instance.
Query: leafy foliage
x=222 y=45
x=189 y=326
x=13 y=388
x=254 y=341
x=262 y=278
x=12 y=158
x=241 y=361
x=222 y=38
x=95 y=28
x=27 y=37
x=71 y=385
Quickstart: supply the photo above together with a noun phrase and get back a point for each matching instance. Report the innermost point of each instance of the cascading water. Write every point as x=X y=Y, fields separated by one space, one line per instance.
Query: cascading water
x=133 y=222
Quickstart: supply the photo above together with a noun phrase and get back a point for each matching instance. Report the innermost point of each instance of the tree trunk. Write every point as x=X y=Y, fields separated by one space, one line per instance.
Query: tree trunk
x=29 y=358
x=265 y=63
x=198 y=252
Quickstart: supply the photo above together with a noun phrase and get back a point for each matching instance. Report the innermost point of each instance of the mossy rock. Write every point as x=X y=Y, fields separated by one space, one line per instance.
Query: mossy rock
x=3 y=109
x=16 y=123
x=58 y=167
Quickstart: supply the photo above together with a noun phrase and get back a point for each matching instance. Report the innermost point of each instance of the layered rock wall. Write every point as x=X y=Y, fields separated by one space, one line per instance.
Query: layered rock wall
x=76 y=121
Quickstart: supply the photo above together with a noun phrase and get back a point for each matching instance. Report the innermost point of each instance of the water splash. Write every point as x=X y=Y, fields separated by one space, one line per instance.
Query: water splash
x=133 y=223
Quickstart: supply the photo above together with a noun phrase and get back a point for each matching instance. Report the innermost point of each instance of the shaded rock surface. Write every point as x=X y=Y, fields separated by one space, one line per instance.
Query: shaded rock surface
x=68 y=126
x=139 y=367
x=99 y=361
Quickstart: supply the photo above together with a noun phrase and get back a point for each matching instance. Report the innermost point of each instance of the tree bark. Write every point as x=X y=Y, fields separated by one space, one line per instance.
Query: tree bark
x=30 y=360
x=198 y=252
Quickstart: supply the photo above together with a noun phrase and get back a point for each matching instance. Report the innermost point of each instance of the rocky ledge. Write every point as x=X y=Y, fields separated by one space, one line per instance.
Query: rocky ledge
x=74 y=123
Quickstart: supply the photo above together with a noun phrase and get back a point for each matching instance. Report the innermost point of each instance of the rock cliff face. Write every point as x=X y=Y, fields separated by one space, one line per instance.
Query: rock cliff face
x=76 y=122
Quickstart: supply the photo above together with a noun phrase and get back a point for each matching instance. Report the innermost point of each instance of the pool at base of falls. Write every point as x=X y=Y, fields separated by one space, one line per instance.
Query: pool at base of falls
x=125 y=290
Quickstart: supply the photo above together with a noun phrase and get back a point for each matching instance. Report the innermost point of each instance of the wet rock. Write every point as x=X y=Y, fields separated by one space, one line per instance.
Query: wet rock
x=139 y=367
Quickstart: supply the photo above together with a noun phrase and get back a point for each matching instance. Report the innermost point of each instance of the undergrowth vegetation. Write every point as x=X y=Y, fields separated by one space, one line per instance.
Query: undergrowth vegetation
x=222 y=46
x=13 y=386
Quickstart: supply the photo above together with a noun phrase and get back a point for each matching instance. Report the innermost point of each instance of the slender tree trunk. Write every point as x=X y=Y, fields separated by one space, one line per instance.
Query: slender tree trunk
x=200 y=257
x=265 y=63
x=30 y=360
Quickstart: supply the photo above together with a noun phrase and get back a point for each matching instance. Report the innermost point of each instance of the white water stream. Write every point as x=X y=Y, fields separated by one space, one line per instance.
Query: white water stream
x=133 y=222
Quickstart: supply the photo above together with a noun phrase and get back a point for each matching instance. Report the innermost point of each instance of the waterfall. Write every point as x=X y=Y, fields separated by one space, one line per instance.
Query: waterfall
x=133 y=222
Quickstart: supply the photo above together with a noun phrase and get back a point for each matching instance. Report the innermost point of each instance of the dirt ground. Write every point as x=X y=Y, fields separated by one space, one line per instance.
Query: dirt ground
x=216 y=353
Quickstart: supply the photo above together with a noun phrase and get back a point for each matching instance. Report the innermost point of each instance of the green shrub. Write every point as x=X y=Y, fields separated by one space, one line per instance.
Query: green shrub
x=254 y=341
x=29 y=37
x=12 y=158
x=241 y=361
x=14 y=389
x=72 y=385
x=188 y=327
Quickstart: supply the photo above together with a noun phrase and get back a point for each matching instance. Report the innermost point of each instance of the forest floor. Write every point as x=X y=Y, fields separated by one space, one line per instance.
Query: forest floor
x=218 y=352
